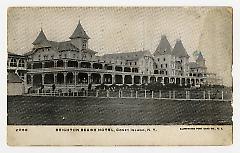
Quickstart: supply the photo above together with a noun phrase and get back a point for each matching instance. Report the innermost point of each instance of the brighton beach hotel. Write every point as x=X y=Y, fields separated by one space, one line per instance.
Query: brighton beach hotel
x=73 y=65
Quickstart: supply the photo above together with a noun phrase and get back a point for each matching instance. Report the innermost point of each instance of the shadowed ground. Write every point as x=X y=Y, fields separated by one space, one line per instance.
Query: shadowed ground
x=26 y=110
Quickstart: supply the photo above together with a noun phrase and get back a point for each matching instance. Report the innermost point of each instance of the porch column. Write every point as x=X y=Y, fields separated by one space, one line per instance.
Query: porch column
x=89 y=78
x=17 y=62
x=54 y=78
x=75 y=78
x=113 y=79
x=64 y=77
x=132 y=79
x=102 y=79
x=65 y=63
x=141 y=79
x=31 y=79
x=43 y=75
x=55 y=63
x=148 y=79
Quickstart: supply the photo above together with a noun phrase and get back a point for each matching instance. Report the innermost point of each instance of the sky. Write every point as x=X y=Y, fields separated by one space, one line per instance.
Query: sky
x=127 y=29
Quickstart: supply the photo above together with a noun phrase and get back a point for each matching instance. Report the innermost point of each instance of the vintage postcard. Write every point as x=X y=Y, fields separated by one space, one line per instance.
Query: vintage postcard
x=119 y=76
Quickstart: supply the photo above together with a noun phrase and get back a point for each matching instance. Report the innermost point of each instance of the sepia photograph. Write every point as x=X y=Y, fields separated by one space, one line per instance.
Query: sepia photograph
x=130 y=75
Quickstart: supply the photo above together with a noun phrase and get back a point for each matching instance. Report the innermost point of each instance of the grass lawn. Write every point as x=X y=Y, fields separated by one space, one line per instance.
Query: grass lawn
x=26 y=110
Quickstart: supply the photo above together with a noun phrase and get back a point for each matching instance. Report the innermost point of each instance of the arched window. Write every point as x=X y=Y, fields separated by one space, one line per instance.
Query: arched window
x=21 y=63
x=13 y=62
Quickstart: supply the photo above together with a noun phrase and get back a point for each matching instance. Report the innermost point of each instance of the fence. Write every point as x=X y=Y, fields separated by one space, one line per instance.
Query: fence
x=145 y=94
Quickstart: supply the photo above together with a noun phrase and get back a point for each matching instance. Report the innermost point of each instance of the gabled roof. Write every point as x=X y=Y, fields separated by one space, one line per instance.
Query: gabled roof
x=79 y=32
x=13 y=78
x=200 y=57
x=179 y=50
x=41 y=40
x=89 y=51
x=164 y=47
x=64 y=46
x=127 y=56
x=15 y=55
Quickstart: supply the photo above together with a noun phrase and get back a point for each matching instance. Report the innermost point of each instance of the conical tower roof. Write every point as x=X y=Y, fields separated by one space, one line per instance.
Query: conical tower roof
x=200 y=57
x=41 y=40
x=179 y=50
x=164 y=47
x=79 y=32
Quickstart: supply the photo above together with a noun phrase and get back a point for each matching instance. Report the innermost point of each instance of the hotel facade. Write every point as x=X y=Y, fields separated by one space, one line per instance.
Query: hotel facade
x=73 y=65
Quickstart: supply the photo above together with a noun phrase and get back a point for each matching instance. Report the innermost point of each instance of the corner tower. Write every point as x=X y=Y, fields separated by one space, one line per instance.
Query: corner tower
x=79 y=38
x=41 y=40
x=200 y=60
x=162 y=56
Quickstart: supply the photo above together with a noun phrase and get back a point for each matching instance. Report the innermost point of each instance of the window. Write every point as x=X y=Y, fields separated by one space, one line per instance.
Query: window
x=13 y=62
x=166 y=65
x=166 y=73
x=52 y=57
x=156 y=66
x=164 y=59
x=60 y=56
x=74 y=55
x=21 y=63
x=130 y=63
x=65 y=55
x=161 y=66
x=135 y=63
x=84 y=45
x=158 y=59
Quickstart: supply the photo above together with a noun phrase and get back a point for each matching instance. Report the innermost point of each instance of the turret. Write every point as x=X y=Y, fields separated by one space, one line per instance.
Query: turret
x=41 y=41
x=79 y=38
x=200 y=60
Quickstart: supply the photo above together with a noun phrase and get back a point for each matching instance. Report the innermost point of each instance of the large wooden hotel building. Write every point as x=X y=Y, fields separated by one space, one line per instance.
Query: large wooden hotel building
x=73 y=65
